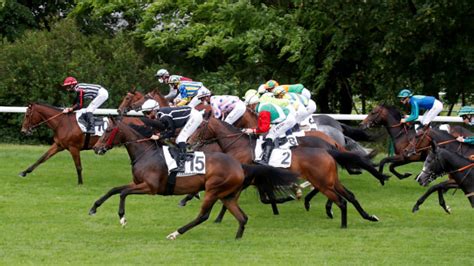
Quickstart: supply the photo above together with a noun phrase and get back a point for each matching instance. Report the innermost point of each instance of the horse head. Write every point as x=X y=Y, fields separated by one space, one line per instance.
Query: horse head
x=27 y=125
x=109 y=138
x=432 y=167
x=128 y=101
x=381 y=115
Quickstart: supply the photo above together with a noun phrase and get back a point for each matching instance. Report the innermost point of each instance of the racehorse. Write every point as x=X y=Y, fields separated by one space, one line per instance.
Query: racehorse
x=318 y=166
x=325 y=124
x=442 y=161
x=134 y=100
x=400 y=133
x=460 y=131
x=223 y=179
x=67 y=134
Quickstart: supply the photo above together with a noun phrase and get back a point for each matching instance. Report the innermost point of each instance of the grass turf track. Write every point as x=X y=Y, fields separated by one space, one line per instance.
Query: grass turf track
x=44 y=220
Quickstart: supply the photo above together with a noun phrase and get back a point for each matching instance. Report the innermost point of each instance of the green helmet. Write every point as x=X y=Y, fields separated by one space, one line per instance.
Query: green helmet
x=466 y=110
x=405 y=93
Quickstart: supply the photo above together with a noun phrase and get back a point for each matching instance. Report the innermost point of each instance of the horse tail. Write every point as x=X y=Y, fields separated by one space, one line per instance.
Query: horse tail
x=351 y=160
x=273 y=183
x=354 y=146
x=356 y=133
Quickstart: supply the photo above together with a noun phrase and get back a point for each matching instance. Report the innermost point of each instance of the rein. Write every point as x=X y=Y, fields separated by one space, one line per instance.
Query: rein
x=202 y=142
x=44 y=121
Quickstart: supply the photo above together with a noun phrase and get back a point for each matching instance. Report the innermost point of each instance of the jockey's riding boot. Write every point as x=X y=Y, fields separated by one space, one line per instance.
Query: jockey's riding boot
x=296 y=128
x=90 y=123
x=181 y=157
x=422 y=129
x=267 y=152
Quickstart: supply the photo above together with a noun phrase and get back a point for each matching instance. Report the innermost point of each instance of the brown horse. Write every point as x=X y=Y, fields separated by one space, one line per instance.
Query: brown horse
x=400 y=133
x=223 y=180
x=134 y=100
x=460 y=131
x=67 y=134
x=318 y=166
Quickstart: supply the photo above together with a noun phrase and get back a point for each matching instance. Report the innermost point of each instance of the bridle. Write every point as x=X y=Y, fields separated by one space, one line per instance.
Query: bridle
x=201 y=142
x=44 y=120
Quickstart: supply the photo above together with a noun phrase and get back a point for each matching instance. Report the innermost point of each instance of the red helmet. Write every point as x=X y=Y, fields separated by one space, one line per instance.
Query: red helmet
x=69 y=81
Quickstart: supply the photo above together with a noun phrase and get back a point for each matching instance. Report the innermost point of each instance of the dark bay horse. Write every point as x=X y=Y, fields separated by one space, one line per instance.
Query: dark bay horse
x=134 y=100
x=318 y=166
x=460 y=131
x=223 y=180
x=67 y=134
x=400 y=133
x=441 y=161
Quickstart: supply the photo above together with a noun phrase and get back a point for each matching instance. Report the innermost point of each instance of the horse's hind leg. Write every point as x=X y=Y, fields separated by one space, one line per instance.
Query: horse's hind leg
x=221 y=214
x=48 y=154
x=397 y=174
x=137 y=189
x=100 y=201
x=349 y=196
x=76 y=156
x=441 y=187
x=308 y=198
x=333 y=196
x=233 y=207
x=206 y=207
x=188 y=197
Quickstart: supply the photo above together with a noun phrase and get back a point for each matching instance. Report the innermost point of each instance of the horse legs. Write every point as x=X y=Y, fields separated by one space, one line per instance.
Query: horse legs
x=188 y=197
x=441 y=187
x=48 y=154
x=349 y=196
x=333 y=196
x=76 y=156
x=100 y=201
x=394 y=162
x=206 y=207
x=221 y=214
x=138 y=189
x=311 y=195
x=233 y=207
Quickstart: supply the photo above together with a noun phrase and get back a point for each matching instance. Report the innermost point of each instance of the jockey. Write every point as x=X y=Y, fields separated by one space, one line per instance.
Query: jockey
x=225 y=107
x=149 y=108
x=306 y=107
x=188 y=90
x=295 y=88
x=164 y=77
x=172 y=118
x=467 y=114
x=281 y=119
x=96 y=93
x=429 y=103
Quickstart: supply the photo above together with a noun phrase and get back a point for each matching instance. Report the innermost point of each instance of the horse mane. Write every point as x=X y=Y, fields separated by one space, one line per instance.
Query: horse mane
x=230 y=127
x=458 y=155
x=145 y=131
x=48 y=105
x=392 y=110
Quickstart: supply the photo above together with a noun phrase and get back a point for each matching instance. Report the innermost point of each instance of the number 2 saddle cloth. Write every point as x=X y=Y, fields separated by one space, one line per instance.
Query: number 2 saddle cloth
x=281 y=154
x=195 y=162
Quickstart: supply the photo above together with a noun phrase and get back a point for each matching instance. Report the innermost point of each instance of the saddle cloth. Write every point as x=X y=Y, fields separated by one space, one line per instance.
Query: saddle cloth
x=100 y=123
x=281 y=155
x=195 y=162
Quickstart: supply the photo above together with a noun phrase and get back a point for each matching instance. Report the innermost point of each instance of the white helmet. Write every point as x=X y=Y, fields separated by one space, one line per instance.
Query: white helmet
x=174 y=79
x=203 y=93
x=262 y=89
x=161 y=74
x=280 y=90
x=150 y=105
x=251 y=97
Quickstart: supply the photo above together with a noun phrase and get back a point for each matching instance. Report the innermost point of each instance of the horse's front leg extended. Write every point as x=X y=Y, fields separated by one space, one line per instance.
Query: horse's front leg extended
x=138 y=189
x=399 y=163
x=99 y=202
x=48 y=154
x=441 y=188
x=387 y=160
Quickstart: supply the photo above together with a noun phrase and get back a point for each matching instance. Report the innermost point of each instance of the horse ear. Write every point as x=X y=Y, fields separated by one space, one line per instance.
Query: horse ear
x=434 y=146
x=134 y=89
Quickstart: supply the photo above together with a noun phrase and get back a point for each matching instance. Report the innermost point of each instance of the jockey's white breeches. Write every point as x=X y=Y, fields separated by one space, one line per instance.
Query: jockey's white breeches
x=236 y=113
x=102 y=96
x=432 y=113
x=280 y=129
x=195 y=119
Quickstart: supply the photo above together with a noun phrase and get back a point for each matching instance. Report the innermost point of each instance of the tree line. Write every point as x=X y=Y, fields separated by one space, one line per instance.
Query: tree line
x=345 y=52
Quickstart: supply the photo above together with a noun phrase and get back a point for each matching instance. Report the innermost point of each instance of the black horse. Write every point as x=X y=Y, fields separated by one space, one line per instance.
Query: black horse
x=440 y=162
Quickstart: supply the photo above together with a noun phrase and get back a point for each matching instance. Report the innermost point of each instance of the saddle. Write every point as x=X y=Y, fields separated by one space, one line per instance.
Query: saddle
x=100 y=123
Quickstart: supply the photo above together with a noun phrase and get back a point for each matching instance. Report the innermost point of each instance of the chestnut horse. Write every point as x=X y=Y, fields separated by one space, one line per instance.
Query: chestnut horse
x=134 y=100
x=318 y=166
x=223 y=180
x=67 y=134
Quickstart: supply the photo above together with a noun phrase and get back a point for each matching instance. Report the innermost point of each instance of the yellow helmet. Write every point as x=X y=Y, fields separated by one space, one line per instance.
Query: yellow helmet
x=251 y=97
x=271 y=84
x=279 y=91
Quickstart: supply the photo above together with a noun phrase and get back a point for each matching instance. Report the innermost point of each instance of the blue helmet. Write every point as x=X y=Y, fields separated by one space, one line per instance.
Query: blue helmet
x=466 y=110
x=405 y=93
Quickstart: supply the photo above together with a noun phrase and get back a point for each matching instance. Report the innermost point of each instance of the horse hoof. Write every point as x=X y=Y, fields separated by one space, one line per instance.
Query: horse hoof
x=374 y=218
x=330 y=214
x=217 y=221
x=299 y=194
x=406 y=175
x=448 y=209
x=173 y=235
x=307 y=205
x=22 y=174
x=92 y=212
x=182 y=203
x=415 y=209
x=123 y=222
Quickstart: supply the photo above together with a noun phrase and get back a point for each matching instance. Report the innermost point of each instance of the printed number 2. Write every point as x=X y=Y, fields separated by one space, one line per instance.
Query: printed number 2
x=286 y=156
x=197 y=164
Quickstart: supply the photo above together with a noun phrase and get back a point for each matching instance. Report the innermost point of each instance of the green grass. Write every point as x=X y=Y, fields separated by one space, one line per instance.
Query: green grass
x=44 y=220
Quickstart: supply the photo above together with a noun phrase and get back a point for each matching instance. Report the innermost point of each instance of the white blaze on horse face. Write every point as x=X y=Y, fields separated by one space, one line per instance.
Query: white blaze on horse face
x=422 y=172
